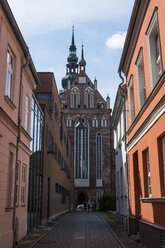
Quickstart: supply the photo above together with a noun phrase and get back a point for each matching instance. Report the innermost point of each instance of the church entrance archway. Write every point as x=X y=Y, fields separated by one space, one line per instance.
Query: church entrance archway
x=82 y=197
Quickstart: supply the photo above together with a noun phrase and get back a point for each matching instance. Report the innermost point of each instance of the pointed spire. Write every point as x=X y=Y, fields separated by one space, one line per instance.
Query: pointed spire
x=95 y=83
x=72 y=35
x=82 y=61
x=82 y=53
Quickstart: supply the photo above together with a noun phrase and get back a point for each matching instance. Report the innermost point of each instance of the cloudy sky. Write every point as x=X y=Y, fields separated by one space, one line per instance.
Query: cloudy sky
x=100 y=24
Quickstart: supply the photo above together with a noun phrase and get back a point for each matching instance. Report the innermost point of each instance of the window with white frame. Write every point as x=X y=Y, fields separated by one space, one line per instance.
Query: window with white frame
x=9 y=75
x=23 y=185
x=147 y=173
x=103 y=122
x=17 y=181
x=95 y=122
x=10 y=180
x=141 y=79
x=154 y=49
x=131 y=100
x=27 y=103
x=69 y=122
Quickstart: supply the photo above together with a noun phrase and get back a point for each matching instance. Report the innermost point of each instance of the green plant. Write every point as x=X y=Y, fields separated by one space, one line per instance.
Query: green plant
x=108 y=202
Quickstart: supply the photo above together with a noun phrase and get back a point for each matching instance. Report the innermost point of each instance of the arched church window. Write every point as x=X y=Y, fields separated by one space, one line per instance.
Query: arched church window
x=89 y=98
x=103 y=122
x=81 y=149
x=98 y=155
x=75 y=98
x=95 y=122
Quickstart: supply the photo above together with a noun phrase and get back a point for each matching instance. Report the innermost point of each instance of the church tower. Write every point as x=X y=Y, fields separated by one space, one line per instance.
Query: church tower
x=88 y=119
x=71 y=66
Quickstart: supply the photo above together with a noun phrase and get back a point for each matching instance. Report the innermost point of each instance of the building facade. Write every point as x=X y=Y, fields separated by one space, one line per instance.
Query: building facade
x=35 y=166
x=18 y=78
x=121 y=172
x=57 y=154
x=88 y=119
x=143 y=63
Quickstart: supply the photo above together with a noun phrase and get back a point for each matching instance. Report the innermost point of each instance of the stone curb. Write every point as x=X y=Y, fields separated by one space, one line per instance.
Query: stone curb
x=21 y=244
x=112 y=232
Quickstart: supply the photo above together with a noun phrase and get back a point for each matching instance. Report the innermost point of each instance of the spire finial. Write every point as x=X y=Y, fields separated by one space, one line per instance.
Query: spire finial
x=82 y=53
x=72 y=35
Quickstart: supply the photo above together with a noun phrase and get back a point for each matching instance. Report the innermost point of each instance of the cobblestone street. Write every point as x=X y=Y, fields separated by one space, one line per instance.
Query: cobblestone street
x=80 y=229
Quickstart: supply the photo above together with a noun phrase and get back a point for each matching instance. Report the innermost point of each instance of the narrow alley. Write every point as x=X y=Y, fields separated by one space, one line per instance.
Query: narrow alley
x=80 y=229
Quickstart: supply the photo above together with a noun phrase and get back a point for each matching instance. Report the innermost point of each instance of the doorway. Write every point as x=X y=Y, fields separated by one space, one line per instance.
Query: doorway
x=81 y=198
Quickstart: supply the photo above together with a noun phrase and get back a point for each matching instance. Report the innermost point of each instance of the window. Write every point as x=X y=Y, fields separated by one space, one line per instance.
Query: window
x=131 y=100
x=10 y=180
x=56 y=114
x=81 y=149
x=69 y=122
x=55 y=150
x=98 y=156
x=9 y=75
x=103 y=122
x=141 y=79
x=75 y=98
x=23 y=185
x=161 y=156
x=88 y=98
x=147 y=174
x=154 y=49
x=27 y=113
x=17 y=182
x=95 y=122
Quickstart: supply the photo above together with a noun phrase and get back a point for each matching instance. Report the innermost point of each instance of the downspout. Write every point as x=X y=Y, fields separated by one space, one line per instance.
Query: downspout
x=124 y=97
x=17 y=148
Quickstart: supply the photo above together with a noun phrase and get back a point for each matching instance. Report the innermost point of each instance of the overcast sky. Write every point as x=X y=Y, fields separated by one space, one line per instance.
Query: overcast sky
x=101 y=24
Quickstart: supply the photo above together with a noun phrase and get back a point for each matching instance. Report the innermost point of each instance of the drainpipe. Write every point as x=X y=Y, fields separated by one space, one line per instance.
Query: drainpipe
x=27 y=57
x=124 y=97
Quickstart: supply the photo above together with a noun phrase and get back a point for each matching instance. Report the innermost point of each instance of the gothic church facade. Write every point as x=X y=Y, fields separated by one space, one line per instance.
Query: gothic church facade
x=88 y=119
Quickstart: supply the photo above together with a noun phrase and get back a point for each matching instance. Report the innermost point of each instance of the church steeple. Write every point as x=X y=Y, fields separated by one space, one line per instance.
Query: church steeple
x=71 y=66
x=82 y=62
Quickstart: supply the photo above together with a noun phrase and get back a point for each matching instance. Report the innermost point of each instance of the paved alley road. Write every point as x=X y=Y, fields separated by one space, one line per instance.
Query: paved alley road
x=79 y=230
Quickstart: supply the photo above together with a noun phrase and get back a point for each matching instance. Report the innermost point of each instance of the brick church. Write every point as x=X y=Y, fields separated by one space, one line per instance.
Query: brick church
x=88 y=119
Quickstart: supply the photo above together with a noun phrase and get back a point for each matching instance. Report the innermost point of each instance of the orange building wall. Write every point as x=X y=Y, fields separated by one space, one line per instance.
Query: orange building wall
x=9 y=131
x=152 y=212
